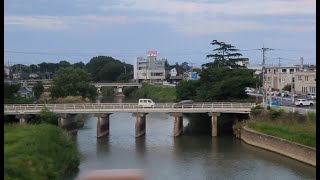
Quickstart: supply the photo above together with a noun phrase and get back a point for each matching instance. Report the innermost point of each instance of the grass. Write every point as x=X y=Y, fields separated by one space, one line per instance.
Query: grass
x=302 y=133
x=38 y=152
x=157 y=93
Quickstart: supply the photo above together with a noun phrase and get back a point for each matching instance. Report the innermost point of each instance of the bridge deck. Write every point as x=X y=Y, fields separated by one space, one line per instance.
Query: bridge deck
x=89 y=108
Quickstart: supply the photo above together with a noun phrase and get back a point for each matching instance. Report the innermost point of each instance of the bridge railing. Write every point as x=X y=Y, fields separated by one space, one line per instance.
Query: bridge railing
x=16 y=107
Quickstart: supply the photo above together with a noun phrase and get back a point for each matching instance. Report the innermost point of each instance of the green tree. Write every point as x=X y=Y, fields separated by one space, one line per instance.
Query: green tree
x=34 y=68
x=224 y=55
x=186 y=90
x=79 y=65
x=38 y=89
x=105 y=68
x=64 y=64
x=287 y=87
x=73 y=82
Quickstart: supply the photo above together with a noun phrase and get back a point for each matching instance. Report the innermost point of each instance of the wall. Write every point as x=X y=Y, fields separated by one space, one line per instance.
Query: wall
x=296 y=151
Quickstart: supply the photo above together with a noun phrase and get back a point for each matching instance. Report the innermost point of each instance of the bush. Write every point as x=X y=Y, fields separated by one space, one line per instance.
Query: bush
x=311 y=117
x=48 y=116
x=274 y=113
x=38 y=152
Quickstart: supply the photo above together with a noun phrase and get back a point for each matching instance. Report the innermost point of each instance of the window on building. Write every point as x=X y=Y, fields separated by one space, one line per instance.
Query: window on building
x=284 y=70
x=291 y=71
x=306 y=78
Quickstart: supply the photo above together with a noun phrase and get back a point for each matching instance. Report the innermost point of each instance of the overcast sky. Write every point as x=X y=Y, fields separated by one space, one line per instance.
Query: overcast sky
x=38 y=31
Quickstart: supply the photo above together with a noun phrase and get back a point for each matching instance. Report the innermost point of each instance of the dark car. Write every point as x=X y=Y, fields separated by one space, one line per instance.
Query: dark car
x=184 y=103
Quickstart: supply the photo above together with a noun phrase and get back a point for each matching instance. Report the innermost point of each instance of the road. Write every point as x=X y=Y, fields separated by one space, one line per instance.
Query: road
x=286 y=101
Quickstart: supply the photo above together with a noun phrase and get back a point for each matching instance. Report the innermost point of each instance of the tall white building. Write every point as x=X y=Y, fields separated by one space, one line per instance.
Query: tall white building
x=149 y=68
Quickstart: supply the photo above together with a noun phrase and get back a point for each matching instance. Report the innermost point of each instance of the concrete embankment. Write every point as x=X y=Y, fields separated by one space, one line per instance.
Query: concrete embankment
x=294 y=150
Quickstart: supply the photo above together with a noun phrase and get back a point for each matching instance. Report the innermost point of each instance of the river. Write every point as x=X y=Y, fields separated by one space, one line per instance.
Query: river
x=193 y=157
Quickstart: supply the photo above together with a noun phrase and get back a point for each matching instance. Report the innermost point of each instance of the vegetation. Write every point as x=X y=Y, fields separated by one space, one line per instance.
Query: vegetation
x=38 y=152
x=287 y=87
x=222 y=79
x=38 y=89
x=47 y=116
x=156 y=92
x=303 y=133
x=73 y=82
x=107 y=69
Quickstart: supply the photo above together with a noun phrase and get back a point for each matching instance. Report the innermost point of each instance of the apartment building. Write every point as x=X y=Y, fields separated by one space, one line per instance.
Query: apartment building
x=305 y=81
x=280 y=76
x=149 y=69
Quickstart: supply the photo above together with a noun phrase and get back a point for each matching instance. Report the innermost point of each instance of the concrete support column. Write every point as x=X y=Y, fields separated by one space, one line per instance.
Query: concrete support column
x=68 y=122
x=140 y=124
x=118 y=91
x=177 y=124
x=102 y=124
x=214 y=123
x=22 y=118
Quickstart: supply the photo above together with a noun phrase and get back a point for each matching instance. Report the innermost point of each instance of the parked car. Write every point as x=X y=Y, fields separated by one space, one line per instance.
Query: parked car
x=146 y=103
x=183 y=103
x=303 y=102
x=311 y=95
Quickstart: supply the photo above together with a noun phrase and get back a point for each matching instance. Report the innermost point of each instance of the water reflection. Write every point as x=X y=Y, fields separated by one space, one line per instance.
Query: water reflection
x=103 y=146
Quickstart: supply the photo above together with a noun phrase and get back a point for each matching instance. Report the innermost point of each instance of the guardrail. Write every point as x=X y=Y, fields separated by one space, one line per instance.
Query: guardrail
x=88 y=108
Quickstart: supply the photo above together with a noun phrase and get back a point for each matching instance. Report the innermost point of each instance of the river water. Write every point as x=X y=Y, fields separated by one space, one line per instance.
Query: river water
x=193 y=157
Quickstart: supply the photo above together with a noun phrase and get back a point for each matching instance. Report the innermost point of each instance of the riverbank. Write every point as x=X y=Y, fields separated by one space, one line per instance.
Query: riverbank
x=290 y=149
x=289 y=134
x=38 y=152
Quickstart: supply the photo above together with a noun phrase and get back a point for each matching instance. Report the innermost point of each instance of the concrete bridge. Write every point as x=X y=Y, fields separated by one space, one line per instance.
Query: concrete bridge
x=102 y=111
x=117 y=86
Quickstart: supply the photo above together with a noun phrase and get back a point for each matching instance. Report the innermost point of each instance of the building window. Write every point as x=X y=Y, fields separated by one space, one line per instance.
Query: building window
x=306 y=78
x=291 y=71
x=284 y=70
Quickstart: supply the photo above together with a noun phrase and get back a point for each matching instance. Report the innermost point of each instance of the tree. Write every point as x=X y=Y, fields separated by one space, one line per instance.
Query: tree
x=224 y=55
x=287 y=87
x=64 y=64
x=73 y=82
x=104 y=68
x=80 y=65
x=38 y=89
x=34 y=68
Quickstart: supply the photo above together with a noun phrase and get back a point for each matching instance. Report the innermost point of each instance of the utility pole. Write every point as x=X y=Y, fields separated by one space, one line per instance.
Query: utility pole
x=279 y=62
x=264 y=99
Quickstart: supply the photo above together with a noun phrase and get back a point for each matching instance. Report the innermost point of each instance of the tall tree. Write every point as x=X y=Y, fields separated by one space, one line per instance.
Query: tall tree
x=38 y=89
x=73 y=82
x=225 y=55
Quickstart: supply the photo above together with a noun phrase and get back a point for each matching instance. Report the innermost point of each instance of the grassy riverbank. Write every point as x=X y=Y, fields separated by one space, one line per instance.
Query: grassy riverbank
x=157 y=93
x=38 y=152
x=287 y=126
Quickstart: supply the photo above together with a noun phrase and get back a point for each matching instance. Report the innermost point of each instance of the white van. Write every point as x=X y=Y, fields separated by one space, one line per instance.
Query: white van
x=146 y=103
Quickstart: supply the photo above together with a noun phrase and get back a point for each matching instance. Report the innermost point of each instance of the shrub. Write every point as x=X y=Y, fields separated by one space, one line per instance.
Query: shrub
x=274 y=113
x=311 y=117
x=48 y=116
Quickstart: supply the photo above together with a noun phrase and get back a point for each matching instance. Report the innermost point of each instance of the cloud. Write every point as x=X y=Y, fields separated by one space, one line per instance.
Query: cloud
x=65 y=22
x=46 y=22
x=189 y=17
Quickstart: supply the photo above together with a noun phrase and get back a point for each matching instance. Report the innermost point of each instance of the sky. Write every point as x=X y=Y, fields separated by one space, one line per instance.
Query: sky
x=38 y=31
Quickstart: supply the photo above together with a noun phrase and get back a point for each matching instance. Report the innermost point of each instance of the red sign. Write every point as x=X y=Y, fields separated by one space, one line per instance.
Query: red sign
x=151 y=53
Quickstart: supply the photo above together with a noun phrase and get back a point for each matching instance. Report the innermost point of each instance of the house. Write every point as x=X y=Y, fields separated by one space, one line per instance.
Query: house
x=279 y=76
x=25 y=92
x=33 y=76
x=305 y=81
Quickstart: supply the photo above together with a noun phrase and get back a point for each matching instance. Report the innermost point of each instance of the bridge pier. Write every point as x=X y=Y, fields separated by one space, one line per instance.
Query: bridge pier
x=214 y=123
x=140 y=124
x=177 y=124
x=22 y=118
x=118 y=91
x=68 y=122
x=103 y=124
